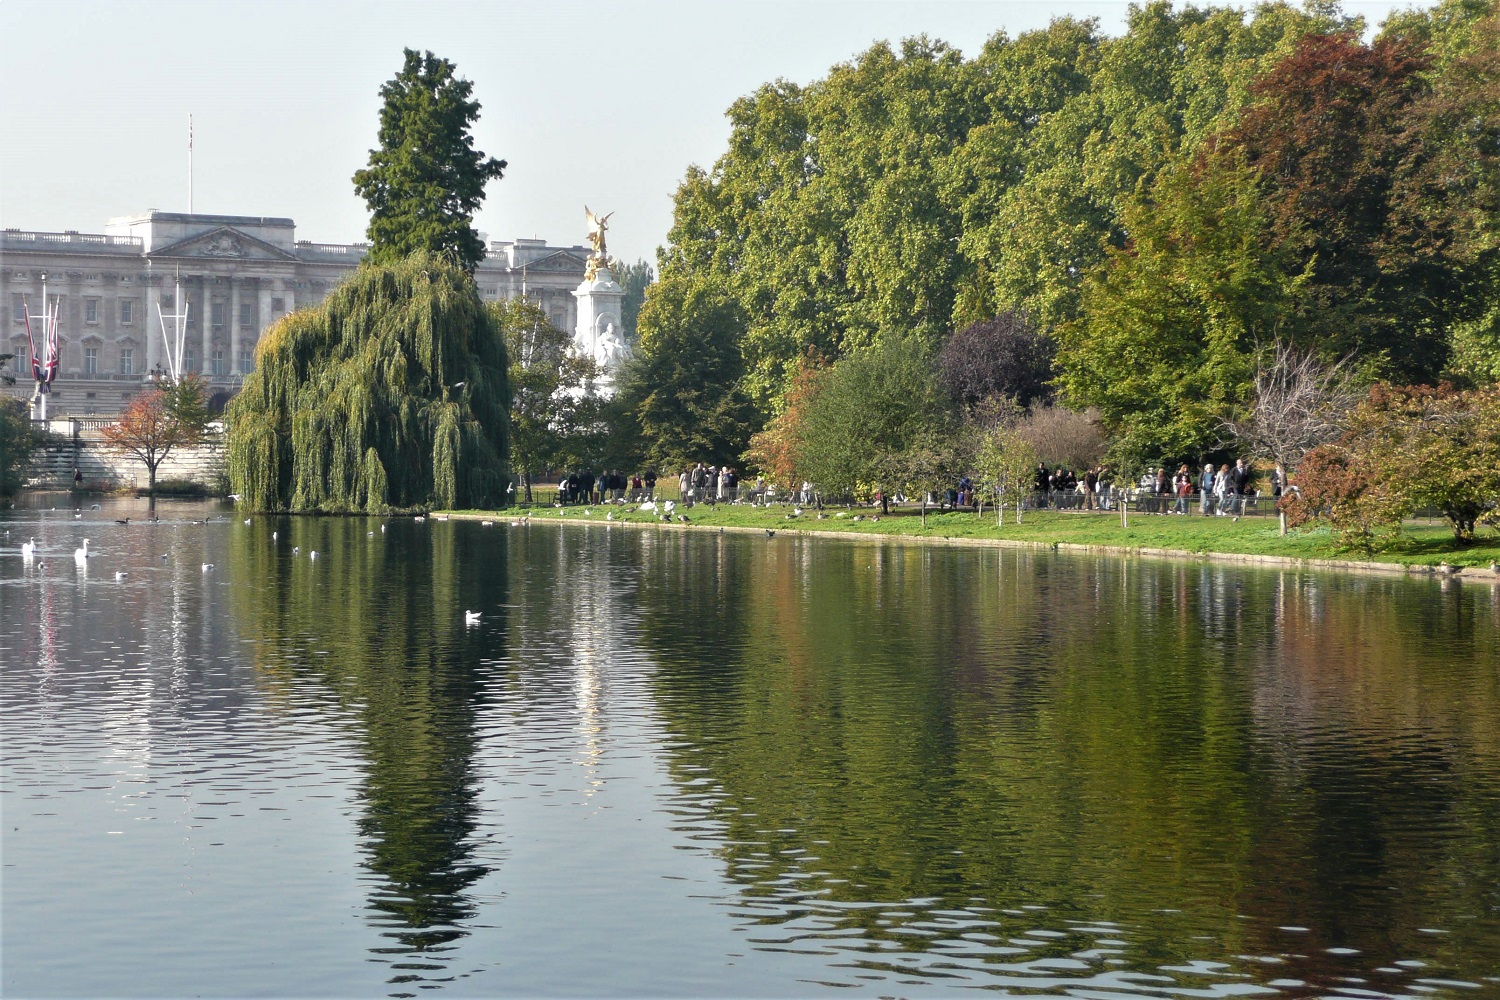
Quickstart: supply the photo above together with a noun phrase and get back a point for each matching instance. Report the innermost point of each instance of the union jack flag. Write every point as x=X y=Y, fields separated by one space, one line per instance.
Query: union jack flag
x=43 y=367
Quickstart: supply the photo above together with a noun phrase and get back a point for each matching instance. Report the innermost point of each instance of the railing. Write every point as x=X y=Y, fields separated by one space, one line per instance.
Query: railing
x=338 y=249
x=133 y=244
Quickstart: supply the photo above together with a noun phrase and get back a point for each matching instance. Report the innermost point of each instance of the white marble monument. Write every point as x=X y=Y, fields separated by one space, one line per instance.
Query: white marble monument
x=599 y=334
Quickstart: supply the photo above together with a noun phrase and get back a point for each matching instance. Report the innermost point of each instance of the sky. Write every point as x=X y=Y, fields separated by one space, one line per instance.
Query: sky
x=597 y=104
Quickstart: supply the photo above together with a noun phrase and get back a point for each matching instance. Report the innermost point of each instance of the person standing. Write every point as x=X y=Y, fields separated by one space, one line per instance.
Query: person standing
x=1206 y=485
x=650 y=484
x=1278 y=481
x=1182 y=485
x=1221 y=489
x=1239 y=481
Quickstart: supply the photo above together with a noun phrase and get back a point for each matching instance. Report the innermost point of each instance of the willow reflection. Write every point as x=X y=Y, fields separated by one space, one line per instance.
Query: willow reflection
x=378 y=621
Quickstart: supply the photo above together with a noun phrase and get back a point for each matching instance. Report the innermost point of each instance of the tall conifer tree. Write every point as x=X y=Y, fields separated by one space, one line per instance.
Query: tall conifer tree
x=426 y=180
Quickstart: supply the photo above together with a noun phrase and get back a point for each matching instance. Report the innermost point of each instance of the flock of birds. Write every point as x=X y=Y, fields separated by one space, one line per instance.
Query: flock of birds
x=81 y=555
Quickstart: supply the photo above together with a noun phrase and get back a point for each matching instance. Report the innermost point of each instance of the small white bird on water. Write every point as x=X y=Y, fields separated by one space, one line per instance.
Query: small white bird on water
x=81 y=555
x=207 y=567
x=471 y=617
x=121 y=575
x=247 y=520
x=313 y=554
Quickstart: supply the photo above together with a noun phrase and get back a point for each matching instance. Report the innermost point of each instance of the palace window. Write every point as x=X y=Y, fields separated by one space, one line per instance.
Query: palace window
x=247 y=359
x=247 y=315
x=189 y=361
x=91 y=360
x=18 y=309
x=218 y=362
x=127 y=310
x=91 y=310
x=127 y=361
x=217 y=316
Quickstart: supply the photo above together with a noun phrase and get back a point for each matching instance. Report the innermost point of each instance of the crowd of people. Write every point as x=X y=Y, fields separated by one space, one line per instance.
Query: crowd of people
x=1220 y=490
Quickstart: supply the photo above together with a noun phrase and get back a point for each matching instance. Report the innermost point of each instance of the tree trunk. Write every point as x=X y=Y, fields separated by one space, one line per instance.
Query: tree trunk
x=526 y=478
x=151 y=479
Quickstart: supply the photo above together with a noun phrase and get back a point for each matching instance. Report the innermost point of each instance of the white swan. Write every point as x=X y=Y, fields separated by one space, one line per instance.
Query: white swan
x=28 y=550
x=81 y=555
x=313 y=554
x=471 y=617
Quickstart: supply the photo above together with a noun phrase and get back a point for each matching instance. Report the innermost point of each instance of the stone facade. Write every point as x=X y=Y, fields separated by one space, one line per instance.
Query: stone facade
x=238 y=274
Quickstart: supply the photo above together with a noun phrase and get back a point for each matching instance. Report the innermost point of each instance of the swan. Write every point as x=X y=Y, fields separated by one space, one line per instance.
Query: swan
x=382 y=529
x=81 y=555
x=28 y=550
x=313 y=554
x=419 y=519
x=471 y=617
x=247 y=520
x=486 y=524
x=274 y=534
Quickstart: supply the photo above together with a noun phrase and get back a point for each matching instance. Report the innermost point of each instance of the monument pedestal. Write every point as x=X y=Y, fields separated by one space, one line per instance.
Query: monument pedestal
x=598 y=334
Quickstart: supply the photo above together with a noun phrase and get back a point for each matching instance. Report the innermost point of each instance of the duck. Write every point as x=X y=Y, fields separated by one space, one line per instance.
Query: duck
x=122 y=520
x=81 y=554
x=471 y=617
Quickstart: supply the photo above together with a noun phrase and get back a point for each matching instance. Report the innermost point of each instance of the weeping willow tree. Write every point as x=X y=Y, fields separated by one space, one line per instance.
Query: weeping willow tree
x=390 y=395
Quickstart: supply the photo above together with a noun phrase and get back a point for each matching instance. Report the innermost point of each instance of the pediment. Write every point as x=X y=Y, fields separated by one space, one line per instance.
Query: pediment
x=561 y=261
x=223 y=243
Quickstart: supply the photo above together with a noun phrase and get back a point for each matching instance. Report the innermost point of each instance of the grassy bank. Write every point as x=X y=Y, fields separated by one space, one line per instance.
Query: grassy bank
x=1420 y=544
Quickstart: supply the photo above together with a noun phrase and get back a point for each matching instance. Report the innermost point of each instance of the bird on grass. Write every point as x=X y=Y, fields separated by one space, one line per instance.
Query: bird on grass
x=683 y=518
x=610 y=516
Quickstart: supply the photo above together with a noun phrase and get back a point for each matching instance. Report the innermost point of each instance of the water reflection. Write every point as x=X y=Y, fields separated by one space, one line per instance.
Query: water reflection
x=378 y=621
x=901 y=750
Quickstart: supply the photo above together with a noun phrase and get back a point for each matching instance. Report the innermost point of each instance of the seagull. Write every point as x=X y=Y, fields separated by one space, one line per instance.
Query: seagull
x=610 y=516
x=247 y=520
x=77 y=515
x=207 y=567
x=511 y=488
x=382 y=529
x=683 y=518
x=273 y=535
x=234 y=496
x=487 y=524
x=81 y=555
x=471 y=617
x=296 y=549
x=121 y=575
x=796 y=511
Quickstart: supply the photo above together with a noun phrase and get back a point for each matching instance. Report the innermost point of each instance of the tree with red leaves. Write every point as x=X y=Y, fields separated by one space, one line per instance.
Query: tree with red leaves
x=1339 y=131
x=158 y=421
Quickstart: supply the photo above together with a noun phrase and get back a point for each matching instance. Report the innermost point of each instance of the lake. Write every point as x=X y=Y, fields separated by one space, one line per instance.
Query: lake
x=680 y=763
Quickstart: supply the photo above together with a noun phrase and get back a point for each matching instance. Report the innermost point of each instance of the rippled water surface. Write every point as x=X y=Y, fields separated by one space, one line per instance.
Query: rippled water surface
x=685 y=764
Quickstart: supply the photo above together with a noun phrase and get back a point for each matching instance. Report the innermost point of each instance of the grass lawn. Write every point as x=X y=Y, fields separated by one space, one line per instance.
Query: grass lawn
x=1421 y=543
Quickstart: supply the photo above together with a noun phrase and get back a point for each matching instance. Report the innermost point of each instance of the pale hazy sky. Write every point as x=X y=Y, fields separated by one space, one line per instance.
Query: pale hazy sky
x=598 y=103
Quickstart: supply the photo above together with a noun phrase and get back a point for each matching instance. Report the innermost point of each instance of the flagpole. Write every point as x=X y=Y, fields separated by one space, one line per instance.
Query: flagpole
x=190 y=164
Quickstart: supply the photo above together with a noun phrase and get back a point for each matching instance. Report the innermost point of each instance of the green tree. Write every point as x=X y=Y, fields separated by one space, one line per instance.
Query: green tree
x=684 y=387
x=871 y=408
x=549 y=404
x=18 y=441
x=392 y=393
x=426 y=180
x=635 y=279
x=1166 y=344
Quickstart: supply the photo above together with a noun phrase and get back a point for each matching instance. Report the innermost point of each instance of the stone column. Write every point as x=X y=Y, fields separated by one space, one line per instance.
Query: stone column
x=151 y=328
x=290 y=294
x=264 y=319
x=205 y=349
x=234 y=319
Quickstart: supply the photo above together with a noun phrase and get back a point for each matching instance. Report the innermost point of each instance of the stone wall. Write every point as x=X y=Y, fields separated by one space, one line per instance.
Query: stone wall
x=106 y=468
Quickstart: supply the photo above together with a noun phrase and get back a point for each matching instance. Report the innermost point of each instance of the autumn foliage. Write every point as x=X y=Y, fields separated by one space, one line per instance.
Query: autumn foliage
x=158 y=421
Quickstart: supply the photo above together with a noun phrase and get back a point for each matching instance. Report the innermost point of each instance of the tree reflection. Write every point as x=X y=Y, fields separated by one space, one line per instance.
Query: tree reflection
x=991 y=729
x=378 y=622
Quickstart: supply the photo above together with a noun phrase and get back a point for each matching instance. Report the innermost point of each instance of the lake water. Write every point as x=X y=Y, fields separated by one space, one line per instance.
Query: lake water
x=673 y=763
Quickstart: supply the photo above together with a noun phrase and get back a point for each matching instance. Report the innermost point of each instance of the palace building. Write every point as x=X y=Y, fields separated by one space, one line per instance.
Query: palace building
x=236 y=274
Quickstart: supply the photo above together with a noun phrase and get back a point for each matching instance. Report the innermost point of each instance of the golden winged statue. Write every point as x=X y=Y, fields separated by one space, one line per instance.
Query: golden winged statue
x=597 y=227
